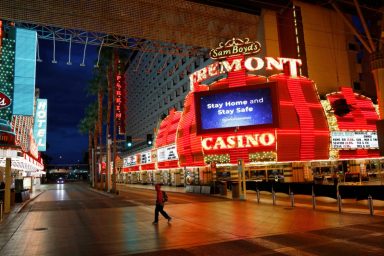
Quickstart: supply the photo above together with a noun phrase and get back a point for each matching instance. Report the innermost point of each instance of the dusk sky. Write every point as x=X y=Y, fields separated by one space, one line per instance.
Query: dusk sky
x=65 y=88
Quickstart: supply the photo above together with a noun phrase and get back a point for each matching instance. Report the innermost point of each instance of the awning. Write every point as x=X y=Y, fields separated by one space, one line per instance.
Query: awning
x=19 y=160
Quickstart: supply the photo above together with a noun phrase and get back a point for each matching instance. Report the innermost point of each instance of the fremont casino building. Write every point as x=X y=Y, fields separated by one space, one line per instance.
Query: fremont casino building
x=299 y=104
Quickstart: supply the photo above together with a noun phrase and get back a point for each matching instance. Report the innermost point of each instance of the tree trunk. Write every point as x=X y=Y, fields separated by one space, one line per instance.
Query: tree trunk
x=90 y=160
x=100 y=126
x=109 y=104
x=95 y=137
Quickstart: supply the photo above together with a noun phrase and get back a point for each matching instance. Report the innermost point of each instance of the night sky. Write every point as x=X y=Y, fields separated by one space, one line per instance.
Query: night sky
x=65 y=88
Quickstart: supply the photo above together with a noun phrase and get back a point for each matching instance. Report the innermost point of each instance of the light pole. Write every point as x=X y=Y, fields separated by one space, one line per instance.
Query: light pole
x=108 y=181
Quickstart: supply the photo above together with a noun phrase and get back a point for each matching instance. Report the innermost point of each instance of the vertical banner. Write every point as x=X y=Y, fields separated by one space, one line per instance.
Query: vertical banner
x=40 y=126
x=120 y=88
x=25 y=72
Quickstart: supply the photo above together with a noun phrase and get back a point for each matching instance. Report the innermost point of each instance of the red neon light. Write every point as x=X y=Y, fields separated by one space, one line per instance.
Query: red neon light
x=168 y=164
x=147 y=167
x=167 y=131
x=120 y=88
x=362 y=117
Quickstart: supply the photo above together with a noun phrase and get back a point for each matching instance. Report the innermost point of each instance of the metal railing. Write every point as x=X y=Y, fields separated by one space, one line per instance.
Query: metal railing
x=338 y=192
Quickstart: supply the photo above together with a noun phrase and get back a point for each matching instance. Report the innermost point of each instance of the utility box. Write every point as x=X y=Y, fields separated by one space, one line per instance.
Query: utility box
x=235 y=190
x=223 y=188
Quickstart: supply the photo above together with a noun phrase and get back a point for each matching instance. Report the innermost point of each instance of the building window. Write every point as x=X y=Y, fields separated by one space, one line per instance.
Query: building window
x=356 y=86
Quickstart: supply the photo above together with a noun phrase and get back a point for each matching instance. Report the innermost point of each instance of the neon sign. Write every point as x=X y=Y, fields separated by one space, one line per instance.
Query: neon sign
x=40 y=127
x=250 y=64
x=5 y=101
x=235 y=46
x=240 y=141
x=120 y=103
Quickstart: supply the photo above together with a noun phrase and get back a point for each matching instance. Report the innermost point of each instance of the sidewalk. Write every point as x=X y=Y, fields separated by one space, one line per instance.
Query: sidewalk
x=284 y=200
x=17 y=207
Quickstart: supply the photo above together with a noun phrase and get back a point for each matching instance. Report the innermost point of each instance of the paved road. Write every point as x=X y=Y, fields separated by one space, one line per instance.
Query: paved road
x=71 y=219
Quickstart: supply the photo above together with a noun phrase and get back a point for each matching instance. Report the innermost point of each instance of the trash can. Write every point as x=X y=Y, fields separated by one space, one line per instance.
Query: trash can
x=223 y=188
x=235 y=190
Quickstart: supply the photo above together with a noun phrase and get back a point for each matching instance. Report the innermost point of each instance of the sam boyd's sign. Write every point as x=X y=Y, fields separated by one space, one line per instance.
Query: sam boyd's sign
x=235 y=46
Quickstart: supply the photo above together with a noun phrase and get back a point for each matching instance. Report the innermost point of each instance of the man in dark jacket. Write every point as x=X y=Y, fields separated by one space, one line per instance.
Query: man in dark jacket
x=160 y=205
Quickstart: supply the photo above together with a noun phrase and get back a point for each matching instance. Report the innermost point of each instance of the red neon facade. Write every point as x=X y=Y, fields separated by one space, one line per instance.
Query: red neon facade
x=302 y=132
x=362 y=116
x=166 y=136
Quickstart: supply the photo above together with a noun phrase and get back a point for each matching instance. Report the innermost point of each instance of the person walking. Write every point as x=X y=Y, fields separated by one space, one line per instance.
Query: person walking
x=160 y=205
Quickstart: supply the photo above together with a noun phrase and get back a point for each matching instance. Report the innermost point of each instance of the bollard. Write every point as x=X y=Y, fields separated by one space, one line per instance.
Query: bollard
x=292 y=200
x=339 y=202
x=313 y=201
x=258 y=196
x=1 y=210
x=273 y=197
x=370 y=205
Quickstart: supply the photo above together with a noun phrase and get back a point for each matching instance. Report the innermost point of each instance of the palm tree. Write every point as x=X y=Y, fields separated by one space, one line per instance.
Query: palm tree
x=111 y=63
x=88 y=125
x=107 y=71
x=98 y=86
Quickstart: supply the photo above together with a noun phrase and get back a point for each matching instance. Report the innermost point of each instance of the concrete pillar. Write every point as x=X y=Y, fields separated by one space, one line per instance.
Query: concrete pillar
x=7 y=194
x=1 y=174
x=377 y=68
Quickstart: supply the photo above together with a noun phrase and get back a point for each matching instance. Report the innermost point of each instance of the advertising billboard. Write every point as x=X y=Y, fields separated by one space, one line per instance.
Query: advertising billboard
x=354 y=140
x=251 y=106
x=25 y=72
x=40 y=125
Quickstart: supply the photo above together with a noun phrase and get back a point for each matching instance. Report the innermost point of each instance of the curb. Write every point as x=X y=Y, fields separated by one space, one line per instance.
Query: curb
x=24 y=204
x=107 y=194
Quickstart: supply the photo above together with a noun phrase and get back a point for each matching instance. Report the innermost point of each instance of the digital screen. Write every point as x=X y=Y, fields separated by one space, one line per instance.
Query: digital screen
x=354 y=140
x=234 y=107
x=25 y=72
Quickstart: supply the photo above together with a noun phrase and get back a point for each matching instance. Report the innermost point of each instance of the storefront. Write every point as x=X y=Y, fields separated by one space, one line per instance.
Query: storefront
x=147 y=167
x=168 y=170
x=277 y=125
x=131 y=171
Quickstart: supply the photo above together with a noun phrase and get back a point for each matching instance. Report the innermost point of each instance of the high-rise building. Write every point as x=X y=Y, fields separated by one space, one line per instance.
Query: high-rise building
x=155 y=84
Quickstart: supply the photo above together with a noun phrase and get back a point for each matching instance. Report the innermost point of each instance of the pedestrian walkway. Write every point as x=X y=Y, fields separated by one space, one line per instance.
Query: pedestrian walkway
x=284 y=200
x=17 y=207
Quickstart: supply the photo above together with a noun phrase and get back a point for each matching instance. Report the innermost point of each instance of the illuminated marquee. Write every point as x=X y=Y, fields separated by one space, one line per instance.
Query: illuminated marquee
x=250 y=64
x=240 y=141
x=129 y=161
x=146 y=157
x=354 y=140
x=167 y=153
